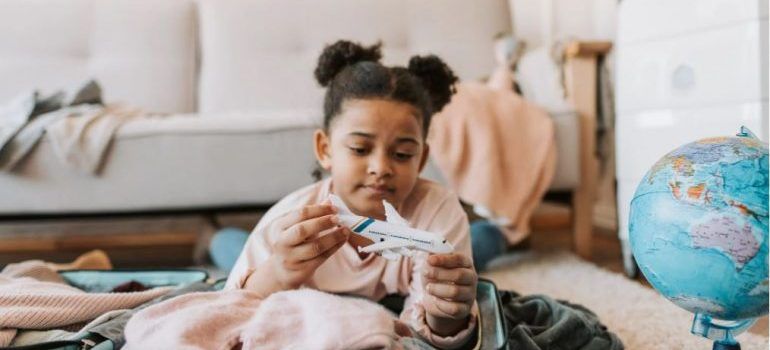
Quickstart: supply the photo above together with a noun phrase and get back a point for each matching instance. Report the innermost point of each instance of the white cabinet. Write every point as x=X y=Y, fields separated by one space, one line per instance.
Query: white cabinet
x=705 y=68
x=686 y=69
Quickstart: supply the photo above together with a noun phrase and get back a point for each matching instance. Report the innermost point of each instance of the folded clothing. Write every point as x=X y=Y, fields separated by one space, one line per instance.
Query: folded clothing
x=36 y=337
x=114 y=329
x=538 y=322
x=296 y=319
x=79 y=127
x=108 y=326
x=46 y=302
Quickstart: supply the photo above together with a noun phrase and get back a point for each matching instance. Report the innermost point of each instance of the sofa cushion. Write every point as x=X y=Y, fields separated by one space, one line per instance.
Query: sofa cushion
x=176 y=162
x=143 y=52
x=567 y=175
x=259 y=54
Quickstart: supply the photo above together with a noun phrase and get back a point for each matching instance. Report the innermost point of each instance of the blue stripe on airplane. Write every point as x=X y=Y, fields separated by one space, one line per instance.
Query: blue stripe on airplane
x=363 y=225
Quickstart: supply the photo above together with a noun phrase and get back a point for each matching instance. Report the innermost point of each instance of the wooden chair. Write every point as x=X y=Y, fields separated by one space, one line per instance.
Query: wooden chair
x=580 y=77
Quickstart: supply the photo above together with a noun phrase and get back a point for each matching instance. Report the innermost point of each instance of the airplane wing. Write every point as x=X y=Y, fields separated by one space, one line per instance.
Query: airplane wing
x=381 y=246
x=392 y=216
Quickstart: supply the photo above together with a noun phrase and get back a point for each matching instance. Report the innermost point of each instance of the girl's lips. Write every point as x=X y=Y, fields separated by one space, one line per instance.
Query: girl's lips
x=379 y=189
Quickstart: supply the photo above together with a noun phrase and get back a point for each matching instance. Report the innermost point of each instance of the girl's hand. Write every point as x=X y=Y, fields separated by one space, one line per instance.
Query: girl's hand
x=308 y=237
x=451 y=291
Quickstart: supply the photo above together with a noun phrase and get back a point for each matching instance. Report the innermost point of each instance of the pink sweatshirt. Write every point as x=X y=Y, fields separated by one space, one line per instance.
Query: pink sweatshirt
x=429 y=207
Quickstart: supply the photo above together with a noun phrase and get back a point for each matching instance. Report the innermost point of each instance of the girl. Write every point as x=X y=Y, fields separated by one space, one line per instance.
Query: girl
x=373 y=146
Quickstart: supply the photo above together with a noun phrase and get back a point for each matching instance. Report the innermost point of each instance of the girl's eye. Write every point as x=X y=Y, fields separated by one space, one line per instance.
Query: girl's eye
x=403 y=156
x=358 y=150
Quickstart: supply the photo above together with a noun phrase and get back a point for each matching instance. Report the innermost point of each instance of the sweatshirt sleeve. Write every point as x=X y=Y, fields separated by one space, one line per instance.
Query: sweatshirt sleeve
x=258 y=247
x=451 y=222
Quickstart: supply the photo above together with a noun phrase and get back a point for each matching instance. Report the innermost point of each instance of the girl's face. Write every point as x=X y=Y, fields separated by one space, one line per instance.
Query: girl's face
x=374 y=151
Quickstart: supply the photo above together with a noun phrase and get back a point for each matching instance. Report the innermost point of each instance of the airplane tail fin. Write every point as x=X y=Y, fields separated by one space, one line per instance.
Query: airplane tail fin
x=392 y=216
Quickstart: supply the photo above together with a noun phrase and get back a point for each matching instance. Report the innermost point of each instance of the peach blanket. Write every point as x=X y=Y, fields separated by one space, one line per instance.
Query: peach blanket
x=496 y=149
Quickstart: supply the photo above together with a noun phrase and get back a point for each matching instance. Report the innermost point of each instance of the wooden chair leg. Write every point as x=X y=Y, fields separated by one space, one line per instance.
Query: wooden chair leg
x=582 y=223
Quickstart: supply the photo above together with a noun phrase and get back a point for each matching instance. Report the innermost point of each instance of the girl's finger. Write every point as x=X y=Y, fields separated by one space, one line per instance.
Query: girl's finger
x=317 y=261
x=458 y=276
x=305 y=213
x=450 y=261
x=304 y=230
x=448 y=309
x=318 y=246
x=451 y=292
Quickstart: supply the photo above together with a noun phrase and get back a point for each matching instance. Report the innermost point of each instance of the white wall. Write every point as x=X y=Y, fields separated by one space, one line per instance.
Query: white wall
x=540 y=22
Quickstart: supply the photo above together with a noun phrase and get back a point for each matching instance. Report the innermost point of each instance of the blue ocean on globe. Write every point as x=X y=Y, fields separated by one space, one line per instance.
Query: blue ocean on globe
x=698 y=227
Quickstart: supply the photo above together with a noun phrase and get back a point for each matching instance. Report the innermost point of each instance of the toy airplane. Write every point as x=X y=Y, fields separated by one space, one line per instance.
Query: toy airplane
x=392 y=238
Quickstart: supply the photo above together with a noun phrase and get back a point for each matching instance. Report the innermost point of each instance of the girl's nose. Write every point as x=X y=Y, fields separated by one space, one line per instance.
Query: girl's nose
x=379 y=165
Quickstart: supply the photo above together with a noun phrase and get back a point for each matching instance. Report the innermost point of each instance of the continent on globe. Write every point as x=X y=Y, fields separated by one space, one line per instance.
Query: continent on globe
x=696 y=194
x=709 y=150
x=725 y=234
x=683 y=166
x=743 y=209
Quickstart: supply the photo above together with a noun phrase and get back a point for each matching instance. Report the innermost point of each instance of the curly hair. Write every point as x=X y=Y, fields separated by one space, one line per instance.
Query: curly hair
x=350 y=70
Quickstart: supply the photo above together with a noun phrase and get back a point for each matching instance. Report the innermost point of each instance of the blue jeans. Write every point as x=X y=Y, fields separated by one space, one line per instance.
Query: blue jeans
x=226 y=246
x=487 y=242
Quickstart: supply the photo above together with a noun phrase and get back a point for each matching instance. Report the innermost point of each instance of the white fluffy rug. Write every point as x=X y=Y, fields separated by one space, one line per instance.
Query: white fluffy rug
x=641 y=317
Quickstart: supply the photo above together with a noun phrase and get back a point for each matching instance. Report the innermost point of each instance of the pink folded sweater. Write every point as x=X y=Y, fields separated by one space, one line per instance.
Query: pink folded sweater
x=32 y=296
x=240 y=319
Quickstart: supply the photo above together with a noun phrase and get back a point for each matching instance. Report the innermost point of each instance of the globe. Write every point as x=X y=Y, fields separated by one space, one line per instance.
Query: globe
x=698 y=227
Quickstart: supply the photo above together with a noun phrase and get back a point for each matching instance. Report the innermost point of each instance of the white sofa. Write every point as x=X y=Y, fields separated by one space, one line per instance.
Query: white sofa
x=240 y=71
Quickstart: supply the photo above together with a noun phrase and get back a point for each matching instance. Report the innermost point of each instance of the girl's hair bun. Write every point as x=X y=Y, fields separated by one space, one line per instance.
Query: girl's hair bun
x=437 y=78
x=343 y=53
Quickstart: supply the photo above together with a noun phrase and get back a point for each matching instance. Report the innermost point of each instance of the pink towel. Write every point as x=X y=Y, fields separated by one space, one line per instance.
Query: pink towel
x=496 y=149
x=46 y=302
x=297 y=319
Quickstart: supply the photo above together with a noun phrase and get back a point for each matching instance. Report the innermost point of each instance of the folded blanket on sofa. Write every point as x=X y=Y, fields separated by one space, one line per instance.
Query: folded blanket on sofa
x=496 y=149
x=296 y=319
x=32 y=296
x=79 y=129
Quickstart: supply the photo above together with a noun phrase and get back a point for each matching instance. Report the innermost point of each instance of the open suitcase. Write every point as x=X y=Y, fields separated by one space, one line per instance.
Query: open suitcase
x=102 y=280
x=492 y=329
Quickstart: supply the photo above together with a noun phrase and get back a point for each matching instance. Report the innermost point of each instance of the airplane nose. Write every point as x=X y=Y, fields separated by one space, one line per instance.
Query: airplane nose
x=349 y=220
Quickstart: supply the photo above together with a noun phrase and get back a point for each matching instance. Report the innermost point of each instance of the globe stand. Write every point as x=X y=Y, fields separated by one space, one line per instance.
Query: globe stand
x=723 y=346
x=721 y=332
